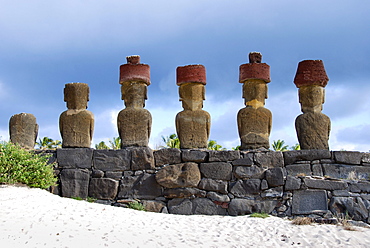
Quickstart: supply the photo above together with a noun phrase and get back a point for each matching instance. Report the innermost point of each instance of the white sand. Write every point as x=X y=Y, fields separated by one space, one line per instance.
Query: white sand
x=36 y=218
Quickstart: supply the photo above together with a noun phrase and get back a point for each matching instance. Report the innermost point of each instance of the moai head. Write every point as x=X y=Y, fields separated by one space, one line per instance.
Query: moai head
x=76 y=95
x=254 y=76
x=311 y=79
x=23 y=130
x=134 y=79
x=191 y=79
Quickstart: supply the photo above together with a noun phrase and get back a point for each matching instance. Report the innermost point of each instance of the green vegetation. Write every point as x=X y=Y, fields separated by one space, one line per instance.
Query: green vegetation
x=18 y=165
x=88 y=199
x=171 y=141
x=48 y=143
x=136 y=205
x=114 y=144
x=279 y=145
x=259 y=215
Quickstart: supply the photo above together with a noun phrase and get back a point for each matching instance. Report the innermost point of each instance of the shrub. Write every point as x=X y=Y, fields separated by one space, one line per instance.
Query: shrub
x=18 y=165
x=136 y=205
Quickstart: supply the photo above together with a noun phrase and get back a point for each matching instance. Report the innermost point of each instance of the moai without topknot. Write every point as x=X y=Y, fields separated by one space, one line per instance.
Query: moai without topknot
x=254 y=121
x=23 y=130
x=192 y=124
x=134 y=122
x=76 y=124
x=313 y=127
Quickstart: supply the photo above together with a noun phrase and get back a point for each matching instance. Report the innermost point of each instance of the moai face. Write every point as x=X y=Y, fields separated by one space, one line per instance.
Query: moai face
x=134 y=94
x=192 y=96
x=76 y=95
x=311 y=98
x=254 y=90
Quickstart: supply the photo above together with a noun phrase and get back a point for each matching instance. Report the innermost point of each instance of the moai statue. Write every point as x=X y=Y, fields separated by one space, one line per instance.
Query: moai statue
x=192 y=124
x=76 y=124
x=254 y=121
x=134 y=122
x=313 y=127
x=23 y=130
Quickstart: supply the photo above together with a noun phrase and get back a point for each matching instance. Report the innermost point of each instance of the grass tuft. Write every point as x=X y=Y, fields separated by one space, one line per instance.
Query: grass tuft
x=302 y=221
x=259 y=215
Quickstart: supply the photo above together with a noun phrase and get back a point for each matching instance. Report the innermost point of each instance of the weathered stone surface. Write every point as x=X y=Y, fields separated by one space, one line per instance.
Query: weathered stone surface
x=269 y=159
x=317 y=170
x=143 y=187
x=76 y=124
x=142 y=158
x=275 y=177
x=313 y=127
x=97 y=174
x=117 y=175
x=365 y=158
x=154 y=206
x=180 y=206
x=247 y=161
x=290 y=157
x=273 y=192
x=343 y=192
x=331 y=170
x=239 y=206
x=292 y=183
x=192 y=124
x=354 y=206
x=179 y=175
x=245 y=172
x=254 y=121
x=103 y=188
x=197 y=156
x=309 y=201
x=134 y=122
x=298 y=169
x=347 y=157
x=325 y=184
x=205 y=206
x=213 y=185
x=216 y=170
x=75 y=158
x=311 y=72
x=112 y=160
x=243 y=188
x=223 y=156
x=167 y=156
x=74 y=183
x=360 y=187
x=218 y=197
x=23 y=130
x=264 y=184
x=184 y=193
x=355 y=172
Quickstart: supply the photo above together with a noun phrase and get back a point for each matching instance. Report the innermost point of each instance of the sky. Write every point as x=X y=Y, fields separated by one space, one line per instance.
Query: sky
x=45 y=44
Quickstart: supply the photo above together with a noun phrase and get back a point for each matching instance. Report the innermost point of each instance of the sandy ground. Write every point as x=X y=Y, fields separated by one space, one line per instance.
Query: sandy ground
x=36 y=218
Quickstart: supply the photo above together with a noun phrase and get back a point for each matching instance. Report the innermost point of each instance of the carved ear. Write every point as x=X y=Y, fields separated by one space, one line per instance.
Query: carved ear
x=145 y=93
x=123 y=93
x=323 y=95
x=180 y=94
x=88 y=94
x=65 y=95
x=266 y=90
x=204 y=93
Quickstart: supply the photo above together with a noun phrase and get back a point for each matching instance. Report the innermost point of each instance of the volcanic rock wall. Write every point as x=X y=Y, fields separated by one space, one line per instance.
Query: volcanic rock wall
x=318 y=183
